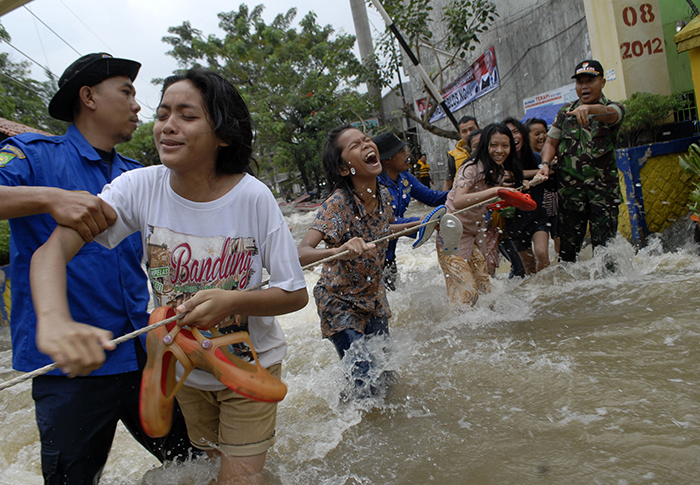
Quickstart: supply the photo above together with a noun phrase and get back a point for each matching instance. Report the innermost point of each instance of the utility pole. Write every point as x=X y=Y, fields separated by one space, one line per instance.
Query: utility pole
x=430 y=86
x=364 y=42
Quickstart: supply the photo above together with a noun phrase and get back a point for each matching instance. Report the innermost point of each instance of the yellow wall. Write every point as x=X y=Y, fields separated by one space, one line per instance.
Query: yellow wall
x=627 y=36
x=602 y=33
x=665 y=188
x=695 y=69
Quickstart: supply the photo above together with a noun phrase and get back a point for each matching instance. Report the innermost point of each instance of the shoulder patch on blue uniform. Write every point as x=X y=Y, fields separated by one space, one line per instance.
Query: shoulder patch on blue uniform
x=8 y=153
x=12 y=149
x=5 y=158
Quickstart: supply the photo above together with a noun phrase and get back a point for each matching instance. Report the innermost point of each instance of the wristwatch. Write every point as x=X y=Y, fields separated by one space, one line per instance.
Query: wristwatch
x=544 y=163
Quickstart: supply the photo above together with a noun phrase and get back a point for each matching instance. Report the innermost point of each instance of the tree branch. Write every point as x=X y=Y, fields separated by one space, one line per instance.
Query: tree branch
x=425 y=124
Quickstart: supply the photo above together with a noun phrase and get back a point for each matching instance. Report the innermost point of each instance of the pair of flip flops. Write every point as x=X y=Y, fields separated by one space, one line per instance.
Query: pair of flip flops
x=516 y=199
x=450 y=230
x=166 y=346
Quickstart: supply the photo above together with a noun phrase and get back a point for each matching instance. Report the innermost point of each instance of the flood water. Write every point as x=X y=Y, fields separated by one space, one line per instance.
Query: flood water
x=573 y=376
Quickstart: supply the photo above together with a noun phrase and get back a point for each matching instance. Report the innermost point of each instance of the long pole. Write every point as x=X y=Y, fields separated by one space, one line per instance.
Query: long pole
x=364 y=43
x=434 y=92
x=141 y=331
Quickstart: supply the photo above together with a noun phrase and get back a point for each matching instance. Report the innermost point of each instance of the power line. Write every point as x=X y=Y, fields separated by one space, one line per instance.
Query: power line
x=41 y=43
x=43 y=96
x=111 y=50
x=54 y=32
x=87 y=27
x=46 y=69
x=504 y=77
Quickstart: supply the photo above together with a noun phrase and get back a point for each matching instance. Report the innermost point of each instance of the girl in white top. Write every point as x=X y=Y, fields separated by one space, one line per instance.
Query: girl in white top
x=208 y=227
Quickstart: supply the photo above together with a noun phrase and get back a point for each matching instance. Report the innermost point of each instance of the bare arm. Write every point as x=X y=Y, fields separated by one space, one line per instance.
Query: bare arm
x=87 y=214
x=309 y=254
x=448 y=185
x=528 y=174
x=209 y=307
x=77 y=348
x=466 y=199
x=401 y=227
x=549 y=152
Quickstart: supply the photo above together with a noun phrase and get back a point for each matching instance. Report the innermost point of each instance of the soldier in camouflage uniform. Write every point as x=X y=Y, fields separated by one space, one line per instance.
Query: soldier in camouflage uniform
x=585 y=132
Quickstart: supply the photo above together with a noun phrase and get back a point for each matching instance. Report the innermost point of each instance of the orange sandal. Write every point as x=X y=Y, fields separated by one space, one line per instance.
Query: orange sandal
x=192 y=349
x=158 y=382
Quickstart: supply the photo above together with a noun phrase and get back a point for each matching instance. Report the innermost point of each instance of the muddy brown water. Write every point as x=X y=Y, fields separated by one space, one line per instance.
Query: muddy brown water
x=574 y=376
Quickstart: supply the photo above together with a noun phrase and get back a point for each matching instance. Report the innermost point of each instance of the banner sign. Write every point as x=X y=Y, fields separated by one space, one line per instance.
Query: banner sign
x=480 y=78
x=562 y=95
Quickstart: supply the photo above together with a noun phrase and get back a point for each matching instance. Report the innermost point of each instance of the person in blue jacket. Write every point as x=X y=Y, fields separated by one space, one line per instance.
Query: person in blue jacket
x=402 y=185
x=48 y=180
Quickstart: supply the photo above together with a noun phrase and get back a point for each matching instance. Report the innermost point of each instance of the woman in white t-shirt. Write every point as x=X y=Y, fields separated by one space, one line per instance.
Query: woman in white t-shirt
x=208 y=225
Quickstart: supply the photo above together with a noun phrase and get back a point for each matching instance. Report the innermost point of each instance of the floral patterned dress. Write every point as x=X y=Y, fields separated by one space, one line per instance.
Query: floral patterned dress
x=349 y=293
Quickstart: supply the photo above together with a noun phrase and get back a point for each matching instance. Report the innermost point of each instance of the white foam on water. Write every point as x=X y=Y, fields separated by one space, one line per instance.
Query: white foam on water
x=576 y=364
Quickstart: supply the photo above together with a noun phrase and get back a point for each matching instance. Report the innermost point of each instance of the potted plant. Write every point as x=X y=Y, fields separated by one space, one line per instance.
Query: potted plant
x=691 y=164
x=646 y=113
x=654 y=186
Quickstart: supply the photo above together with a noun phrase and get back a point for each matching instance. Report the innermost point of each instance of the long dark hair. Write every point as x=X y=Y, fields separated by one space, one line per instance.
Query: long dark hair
x=493 y=171
x=333 y=162
x=527 y=157
x=228 y=114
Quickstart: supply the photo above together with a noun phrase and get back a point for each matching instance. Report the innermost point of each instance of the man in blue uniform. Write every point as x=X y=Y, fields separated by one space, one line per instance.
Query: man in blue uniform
x=402 y=185
x=40 y=180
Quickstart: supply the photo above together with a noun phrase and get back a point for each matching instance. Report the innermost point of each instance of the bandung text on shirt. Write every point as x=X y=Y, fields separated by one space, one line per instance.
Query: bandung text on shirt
x=179 y=265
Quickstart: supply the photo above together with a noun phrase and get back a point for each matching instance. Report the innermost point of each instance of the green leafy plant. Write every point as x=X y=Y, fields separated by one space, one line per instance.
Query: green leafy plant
x=23 y=99
x=645 y=114
x=299 y=82
x=141 y=147
x=4 y=243
x=464 y=20
x=691 y=164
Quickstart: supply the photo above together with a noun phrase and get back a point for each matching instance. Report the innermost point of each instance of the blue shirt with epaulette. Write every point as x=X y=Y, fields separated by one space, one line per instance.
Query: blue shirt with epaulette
x=106 y=288
x=400 y=191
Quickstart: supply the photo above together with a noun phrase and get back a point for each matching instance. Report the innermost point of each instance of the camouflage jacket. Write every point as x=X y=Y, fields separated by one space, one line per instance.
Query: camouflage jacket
x=587 y=154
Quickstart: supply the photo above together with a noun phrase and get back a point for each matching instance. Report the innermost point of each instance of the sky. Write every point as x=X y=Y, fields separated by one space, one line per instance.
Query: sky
x=133 y=29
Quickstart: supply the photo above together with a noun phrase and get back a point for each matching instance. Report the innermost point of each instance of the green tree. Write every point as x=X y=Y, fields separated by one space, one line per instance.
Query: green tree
x=23 y=99
x=464 y=21
x=141 y=147
x=298 y=83
x=4 y=243
x=645 y=113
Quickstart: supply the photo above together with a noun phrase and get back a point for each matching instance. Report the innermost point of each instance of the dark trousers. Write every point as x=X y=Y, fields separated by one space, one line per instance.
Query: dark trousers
x=77 y=419
x=362 y=370
x=507 y=249
x=572 y=228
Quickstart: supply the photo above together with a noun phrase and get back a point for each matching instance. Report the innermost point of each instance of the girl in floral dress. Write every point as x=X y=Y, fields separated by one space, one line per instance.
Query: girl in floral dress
x=350 y=296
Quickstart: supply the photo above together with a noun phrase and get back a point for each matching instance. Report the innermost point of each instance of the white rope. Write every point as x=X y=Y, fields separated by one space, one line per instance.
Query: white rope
x=141 y=331
x=116 y=341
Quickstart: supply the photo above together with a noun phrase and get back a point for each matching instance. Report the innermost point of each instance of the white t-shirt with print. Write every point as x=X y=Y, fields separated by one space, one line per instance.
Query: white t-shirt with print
x=190 y=246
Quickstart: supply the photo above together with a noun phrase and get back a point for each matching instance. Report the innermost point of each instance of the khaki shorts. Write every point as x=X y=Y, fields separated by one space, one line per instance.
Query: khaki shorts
x=225 y=420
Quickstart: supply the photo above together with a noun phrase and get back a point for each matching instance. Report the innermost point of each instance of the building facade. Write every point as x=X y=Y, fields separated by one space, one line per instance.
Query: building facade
x=536 y=45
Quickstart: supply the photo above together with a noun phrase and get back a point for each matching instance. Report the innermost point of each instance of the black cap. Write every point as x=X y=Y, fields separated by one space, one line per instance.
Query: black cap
x=388 y=144
x=89 y=70
x=592 y=68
